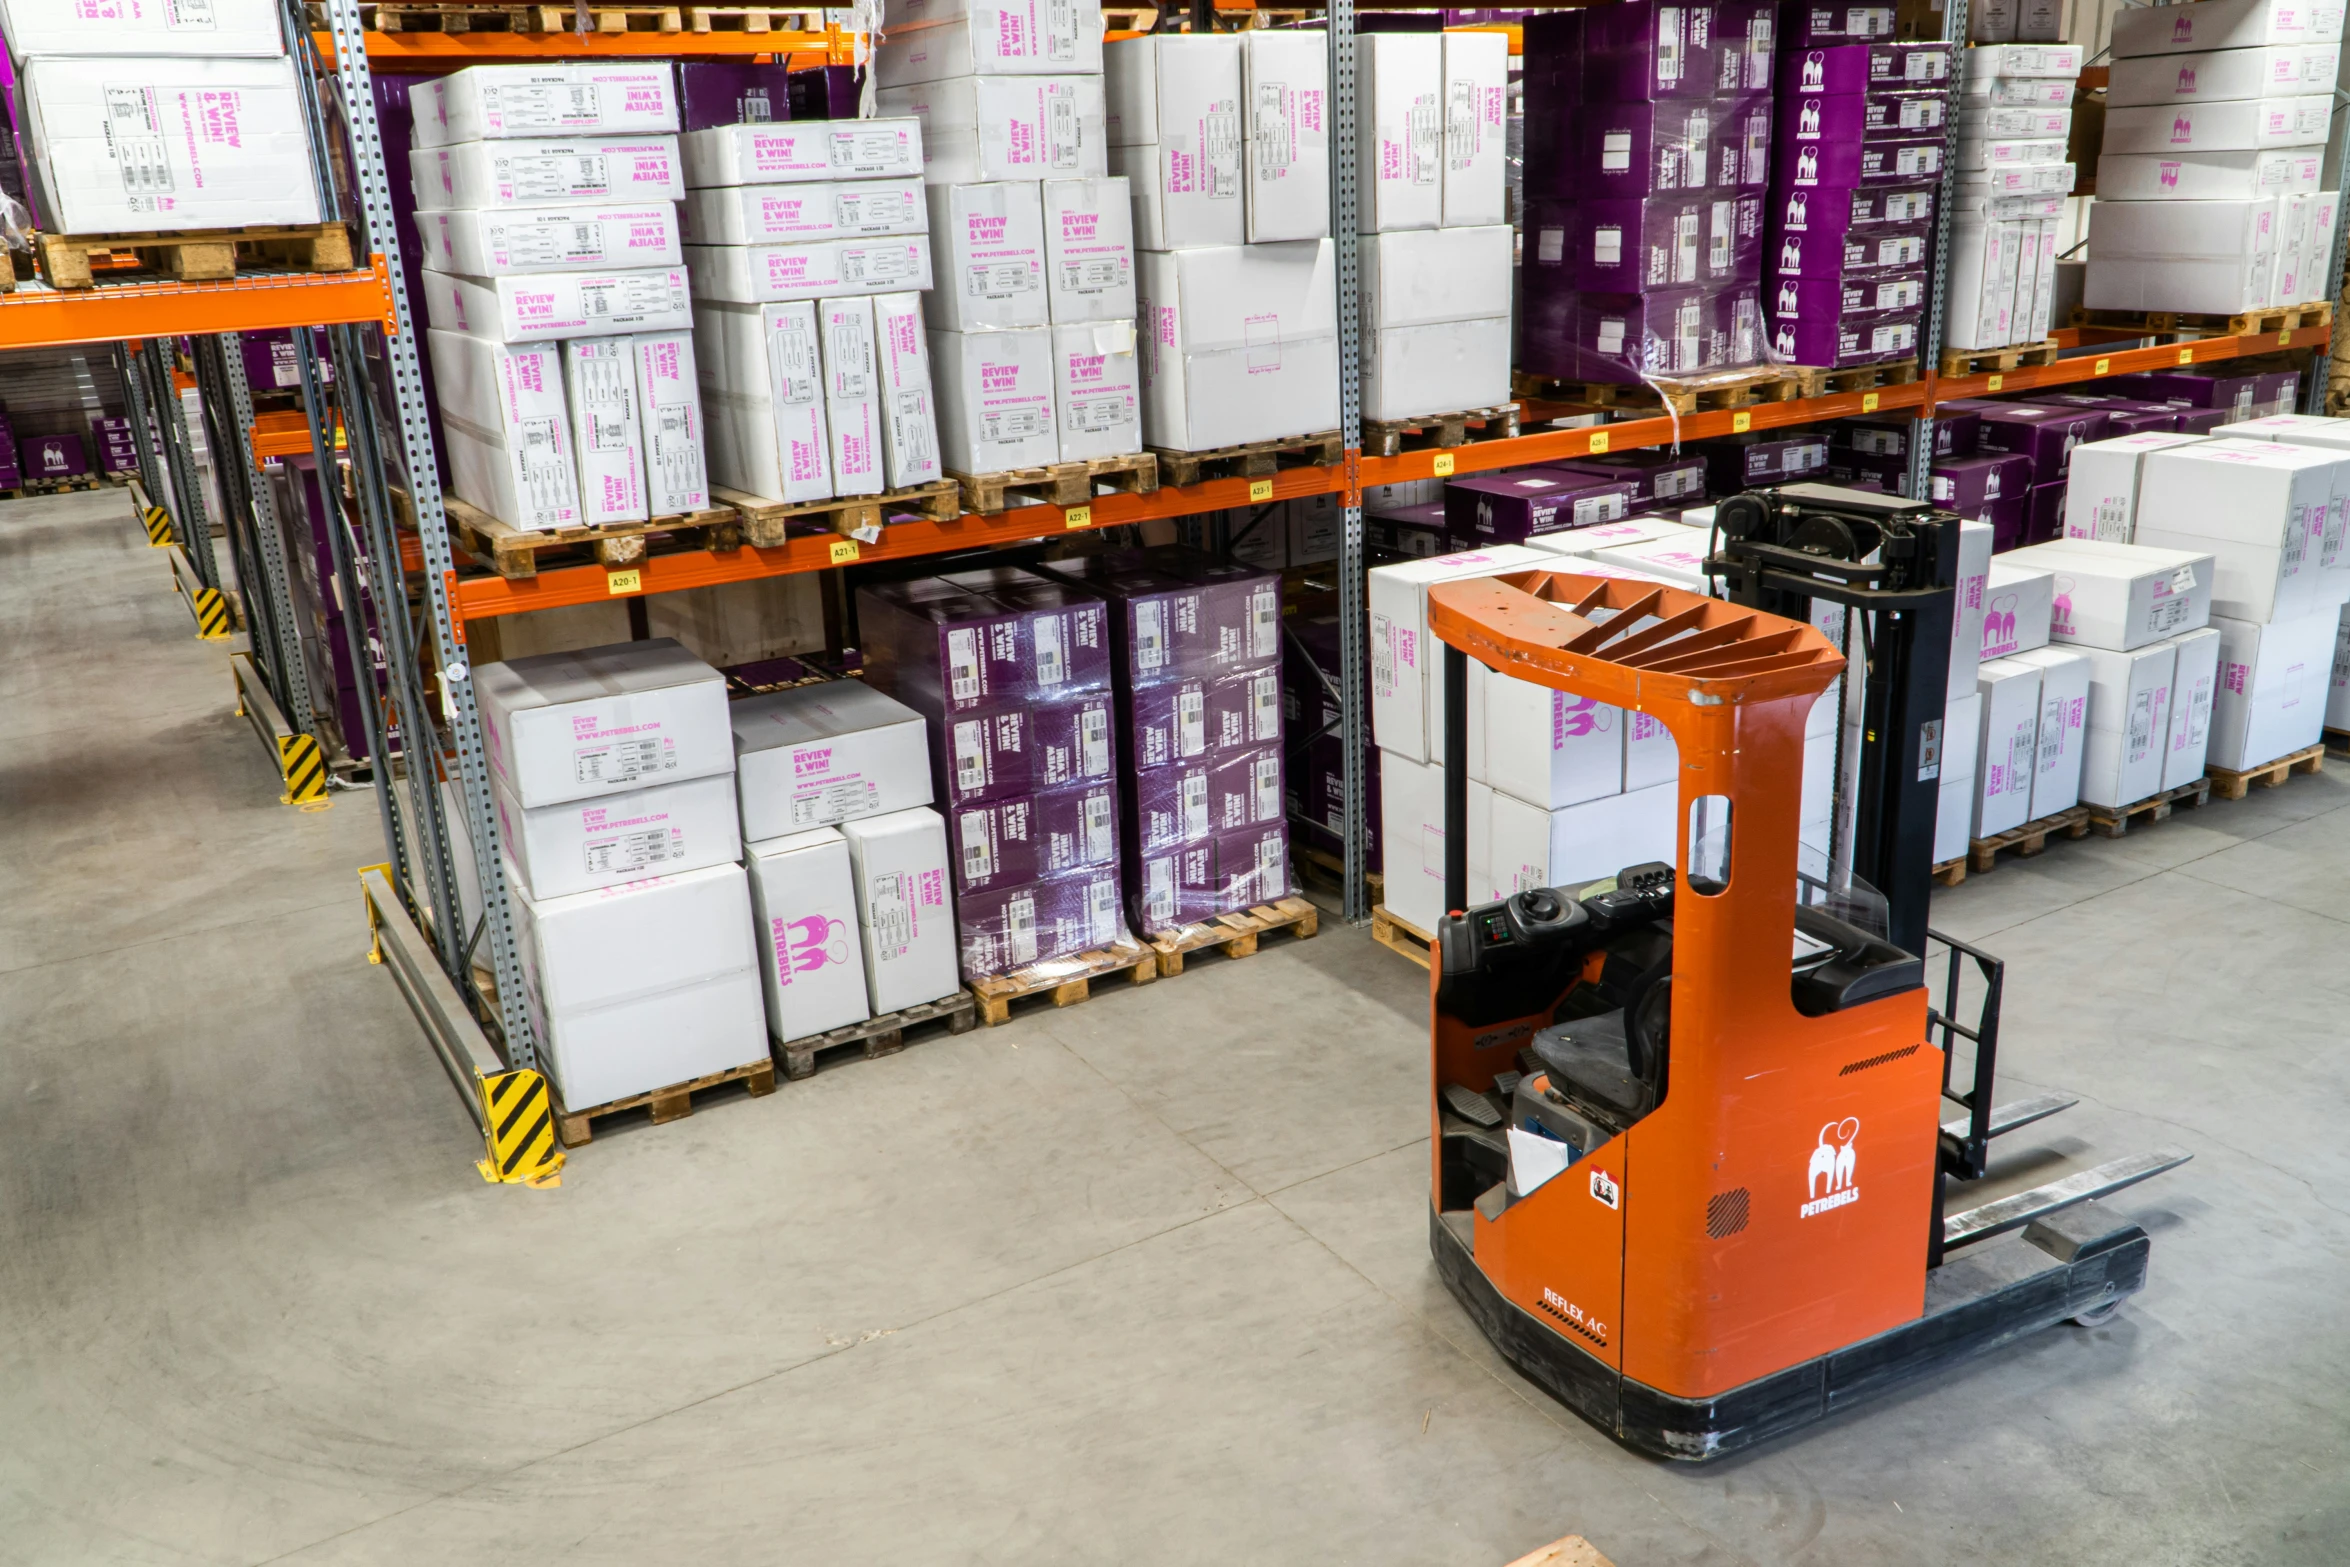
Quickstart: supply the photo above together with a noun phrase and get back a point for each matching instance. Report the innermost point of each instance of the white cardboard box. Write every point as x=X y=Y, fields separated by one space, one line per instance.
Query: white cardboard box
x=1179 y=204
x=1441 y=367
x=2295 y=429
x=1970 y=603
x=800 y=214
x=2261 y=508
x=505 y=428
x=1286 y=79
x=2129 y=722
x=1240 y=343
x=2272 y=690
x=540 y=307
x=1407 y=682
x=2223 y=24
x=635 y=988
x=1411 y=838
x=932 y=40
x=909 y=405
x=1542 y=746
x=677 y=475
x=1089 y=250
x=1954 y=811
x=1962 y=736
x=1607 y=535
x=903 y=907
x=804 y=908
x=1167 y=86
x=990 y=256
x=2193 y=682
x=1527 y=846
x=1097 y=388
x=2338 y=699
x=2101 y=484
x=2207 y=176
x=2064 y=719
x=580 y=845
x=2231 y=126
x=572 y=726
x=492 y=242
x=607 y=431
x=2209 y=76
x=1423 y=276
x=2017 y=604
x=133 y=145
x=587 y=98
x=1476 y=123
x=977 y=128
x=995 y=399
x=779 y=152
x=571 y=172
x=2006 y=745
x=1983 y=268
x=852 y=395
x=2120 y=596
x=763 y=393
x=36 y=28
x=820 y=755
x=1679 y=561
x=759 y=274
x=1399 y=162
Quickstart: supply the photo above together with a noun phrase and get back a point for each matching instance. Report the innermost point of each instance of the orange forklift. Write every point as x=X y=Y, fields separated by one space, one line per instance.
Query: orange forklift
x=1689 y=1127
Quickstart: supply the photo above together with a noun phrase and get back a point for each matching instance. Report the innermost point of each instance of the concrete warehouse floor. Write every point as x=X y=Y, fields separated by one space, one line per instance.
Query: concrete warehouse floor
x=1145 y=1281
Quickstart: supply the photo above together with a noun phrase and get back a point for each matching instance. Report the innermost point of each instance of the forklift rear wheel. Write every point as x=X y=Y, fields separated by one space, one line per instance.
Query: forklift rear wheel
x=2098 y=1316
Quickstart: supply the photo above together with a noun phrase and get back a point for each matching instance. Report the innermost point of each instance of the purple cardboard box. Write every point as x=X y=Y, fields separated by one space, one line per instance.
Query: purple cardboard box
x=1836 y=213
x=1853 y=68
x=1822 y=24
x=1657 y=477
x=1644 y=49
x=983 y=640
x=1503 y=508
x=1321 y=798
x=1007 y=843
x=1870 y=116
x=1866 y=294
x=1185 y=803
x=1178 y=614
x=1887 y=435
x=1415 y=532
x=2045 y=433
x=1740 y=462
x=2044 y=514
x=1219 y=875
x=2006 y=516
x=1631 y=150
x=1746 y=46
x=2278 y=391
x=1177 y=721
x=1007 y=928
x=1873 y=249
x=269 y=360
x=1887 y=473
x=2128 y=415
x=1842 y=165
x=1741 y=157
x=1629 y=247
x=2202 y=421
x=2236 y=394
x=1020 y=750
x=1967 y=485
x=721 y=92
x=1833 y=342
x=52 y=457
x=1309 y=667
x=1619 y=337
x=826 y=92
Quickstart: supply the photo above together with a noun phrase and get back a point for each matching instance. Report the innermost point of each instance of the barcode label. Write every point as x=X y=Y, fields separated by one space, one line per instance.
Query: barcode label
x=1101 y=910
x=1097 y=828
x=971 y=756
x=978 y=846
x=634 y=850
x=1158 y=892
x=1264 y=634
x=1020 y=928
x=1268 y=790
x=1220 y=151
x=1191 y=729
x=963 y=665
x=1195 y=806
x=1052 y=664
x=1150 y=635
x=1093 y=740
x=1424 y=139
x=1264 y=714
x=135 y=134
x=550 y=489
x=1460 y=121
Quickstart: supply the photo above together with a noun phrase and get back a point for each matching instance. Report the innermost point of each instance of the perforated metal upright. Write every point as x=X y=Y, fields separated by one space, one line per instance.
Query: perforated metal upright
x=274 y=592
x=131 y=367
x=1921 y=445
x=1353 y=712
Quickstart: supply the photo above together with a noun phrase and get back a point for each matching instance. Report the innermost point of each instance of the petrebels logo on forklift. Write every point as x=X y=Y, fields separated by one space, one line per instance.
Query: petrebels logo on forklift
x=1831 y=1177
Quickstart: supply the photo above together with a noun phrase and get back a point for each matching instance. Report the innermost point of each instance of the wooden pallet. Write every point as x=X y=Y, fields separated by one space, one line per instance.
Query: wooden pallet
x=2338 y=742
x=427 y=17
x=1066 y=980
x=1057 y=484
x=2113 y=821
x=1399 y=935
x=1987 y=361
x=754 y=19
x=1250 y=459
x=1951 y=873
x=1235 y=935
x=872 y=1039
x=1573 y=1551
x=1683 y=394
x=1866 y=378
x=2029 y=839
x=2230 y=784
x=517 y=553
x=673 y=1103
x=32 y=487
x=1390 y=437
x=211 y=255
x=1325 y=869
x=766 y=524
x=2250 y=323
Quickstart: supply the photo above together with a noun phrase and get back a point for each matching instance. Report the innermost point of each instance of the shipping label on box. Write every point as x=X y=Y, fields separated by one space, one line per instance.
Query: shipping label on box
x=599 y=379
x=492 y=242
x=1089 y=250
x=591 y=98
x=548 y=173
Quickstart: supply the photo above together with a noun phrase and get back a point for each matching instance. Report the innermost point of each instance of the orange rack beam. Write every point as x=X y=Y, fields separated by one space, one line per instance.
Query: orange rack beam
x=45 y=317
x=450 y=51
x=281 y=433
x=482 y=597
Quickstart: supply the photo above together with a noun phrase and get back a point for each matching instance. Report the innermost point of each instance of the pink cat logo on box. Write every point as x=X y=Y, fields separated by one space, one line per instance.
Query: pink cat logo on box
x=2186 y=80
x=2182 y=130
x=1999 y=627
x=804 y=945
x=2182 y=31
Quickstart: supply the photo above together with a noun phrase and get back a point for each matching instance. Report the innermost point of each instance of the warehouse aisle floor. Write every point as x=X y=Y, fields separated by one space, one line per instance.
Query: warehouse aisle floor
x=1144 y=1281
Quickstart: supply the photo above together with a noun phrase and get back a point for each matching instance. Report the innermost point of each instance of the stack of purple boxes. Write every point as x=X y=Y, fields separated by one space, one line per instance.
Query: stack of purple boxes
x=1648 y=142
x=1860 y=148
x=118 y=445
x=1196 y=643
x=50 y=457
x=1315 y=749
x=1012 y=670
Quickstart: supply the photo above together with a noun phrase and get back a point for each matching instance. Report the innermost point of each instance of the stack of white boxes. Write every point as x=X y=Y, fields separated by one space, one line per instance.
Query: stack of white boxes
x=561 y=353
x=808 y=244
x=1437 y=249
x=1962 y=714
x=2014 y=117
x=2269 y=501
x=614 y=776
x=2031 y=735
x=851 y=918
x=2207 y=188
x=1224 y=143
x=1032 y=321
x=159 y=119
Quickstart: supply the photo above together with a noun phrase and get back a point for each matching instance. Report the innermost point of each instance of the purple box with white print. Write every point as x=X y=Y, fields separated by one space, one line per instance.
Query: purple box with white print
x=1746 y=46
x=1825 y=24
x=1861 y=250
x=1740 y=462
x=1658 y=477
x=1019 y=750
x=2042 y=432
x=1853 y=68
x=1619 y=337
x=1170 y=722
x=1630 y=150
x=269 y=360
x=1888 y=435
x=1741 y=156
x=1178 y=614
x=826 y=92
x=52 y=457
x=982 y=640
x=1415 y=531
x=2280 y=391
x=1629 y=247
x=2197 y=388
x=1171 y=806
x=2126 y=415
x=1321 y=798
x=1864 y=294
x=1229 y=871
x=722 y=92
x=1967 y=485
x=1850 y=117
x=1004 y=843
x=1890 y=474
x=1502 y=508
x=1836 y=342
x=1643 y=49
x=1843 y=165
x=2044 y=514
x=1007 y=928
x=1834 y=214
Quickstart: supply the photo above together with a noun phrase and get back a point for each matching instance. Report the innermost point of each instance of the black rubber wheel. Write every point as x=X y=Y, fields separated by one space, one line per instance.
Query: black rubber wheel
x=2098 y=1316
